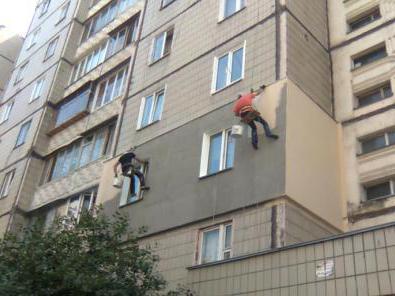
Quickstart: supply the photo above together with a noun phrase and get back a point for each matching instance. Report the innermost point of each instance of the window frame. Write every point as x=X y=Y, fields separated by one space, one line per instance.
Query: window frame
x=51 y=45
x=92 y=201
x=240 y=5
x=36 y=94
x=6 y=184
x=221 y=239
x=154 y=106
x=163 y=6
x=63 y=12
x=376 y=183
x=379 y=47
x=32 y=38
x=366 y=93
x=20 y=141
x=229 y=81
x=21 y=71
x=205 y=154
x=6 y=112
x=125 y=198
x=124 y=71
x=371 y=13
x=162 y=54
x=375 y=136
x=44 y=6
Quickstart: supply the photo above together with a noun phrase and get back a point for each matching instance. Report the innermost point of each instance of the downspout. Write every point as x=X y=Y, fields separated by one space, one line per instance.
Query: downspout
x=129 y=82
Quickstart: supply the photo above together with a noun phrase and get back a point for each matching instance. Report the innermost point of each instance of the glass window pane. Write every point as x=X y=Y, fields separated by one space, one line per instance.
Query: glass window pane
x=109 y=89
x=120 y=40
x=119 y=83
x=230 y=150
x=230 y=7
x=67 y=161
x=228 y=237
x=237 y=65
x=214 y=160
x=158 y=45
x=370 y=98
x=387 y=91
x=159 y=106
x=98 y=147
x=379 y=190
x=86 y=202
x=210 y=246
x=391 y=138
x=86 y=151
x=222 y=71
x=100 y=95
x=72 y=210
x=111 y=46
x=57 y=171
x=76 y=105
x=373 y=144
x=74 y=158
x=147 y=111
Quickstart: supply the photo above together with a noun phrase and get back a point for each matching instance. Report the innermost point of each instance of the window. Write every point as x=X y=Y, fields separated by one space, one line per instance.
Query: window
x=375 y=95
x=379 y=190
x=364 y=19
x=151 y=109
x=51 y=49
x=21 y=72
x=72 y=107
x=32 y=38
x=162 y=45
x=5 y=186
x=217 y=153
x=80 y=153
x=6 y=111
x=110 y=89
x=76 y=205
x=215 y=243
x=230 y=7
x=104 y=17
x=370 y=57
x=129 y=196
x=376 y=142
x=114 y=44
x=23 y=134
x=44 y=6
x=228 y=69
x=63 y=12
x=37 y=89
x=166 y=3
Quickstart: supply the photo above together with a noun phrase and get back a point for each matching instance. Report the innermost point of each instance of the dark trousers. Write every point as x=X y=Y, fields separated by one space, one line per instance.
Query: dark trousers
x=131 y=175
x=254 y=132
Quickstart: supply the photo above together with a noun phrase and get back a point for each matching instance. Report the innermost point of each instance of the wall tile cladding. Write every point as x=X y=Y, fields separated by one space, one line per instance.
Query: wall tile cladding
x=308 y=64
x=196 y=32
x=188 y=91
x=364 y=264
x=176 y=249
x=7 y=202
x=313 y=15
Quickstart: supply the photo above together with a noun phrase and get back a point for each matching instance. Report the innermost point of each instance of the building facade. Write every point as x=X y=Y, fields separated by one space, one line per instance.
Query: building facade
x=362 y=47
x=95 y=78
x=10 y=45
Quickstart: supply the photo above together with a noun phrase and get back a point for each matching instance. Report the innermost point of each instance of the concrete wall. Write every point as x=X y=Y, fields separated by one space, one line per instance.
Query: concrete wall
x=364 y=264
x=312 y=158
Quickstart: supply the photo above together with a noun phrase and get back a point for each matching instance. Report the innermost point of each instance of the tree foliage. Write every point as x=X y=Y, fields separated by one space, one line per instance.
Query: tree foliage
x=85 y=258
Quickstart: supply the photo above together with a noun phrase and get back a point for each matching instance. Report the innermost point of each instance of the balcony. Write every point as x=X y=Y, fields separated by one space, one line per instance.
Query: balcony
x=103 y=33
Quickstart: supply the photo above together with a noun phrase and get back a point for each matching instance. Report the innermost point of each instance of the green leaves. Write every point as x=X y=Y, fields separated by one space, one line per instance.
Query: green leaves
x=86 y=258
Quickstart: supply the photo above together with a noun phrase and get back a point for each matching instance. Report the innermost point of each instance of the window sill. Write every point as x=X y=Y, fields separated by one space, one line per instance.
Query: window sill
x=158 y=60
x=360 y=28
x=216 y=173
x=366 y=154
x=367 y=66
x=148 y=125
x=214 y=92
x=130 y=203
x=372 y=201
x=167 y=5
x=371 y=104
x=47 y=58
x=221 y=20
x=19 y=145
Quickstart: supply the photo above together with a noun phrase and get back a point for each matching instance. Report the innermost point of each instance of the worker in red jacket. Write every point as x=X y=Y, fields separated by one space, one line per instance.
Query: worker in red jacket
x=244 y=109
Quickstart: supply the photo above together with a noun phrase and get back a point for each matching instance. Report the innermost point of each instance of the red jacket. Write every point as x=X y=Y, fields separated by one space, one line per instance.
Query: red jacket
x=244 y=104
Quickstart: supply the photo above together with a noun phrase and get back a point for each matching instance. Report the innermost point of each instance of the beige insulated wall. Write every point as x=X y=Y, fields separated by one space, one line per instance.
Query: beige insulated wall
x=312 y=158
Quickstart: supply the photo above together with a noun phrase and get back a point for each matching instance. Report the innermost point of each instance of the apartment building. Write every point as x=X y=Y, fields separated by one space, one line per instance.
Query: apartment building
x=63 y=103
x=362 y=47
x=10 y=45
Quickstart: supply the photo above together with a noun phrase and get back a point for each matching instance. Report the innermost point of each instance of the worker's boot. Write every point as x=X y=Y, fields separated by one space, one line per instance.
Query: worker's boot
x=144 y=187
x=273 y=136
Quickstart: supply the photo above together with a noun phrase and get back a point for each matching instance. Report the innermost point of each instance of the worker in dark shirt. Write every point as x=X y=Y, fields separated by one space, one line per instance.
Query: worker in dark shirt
x=244 y=109
x=130 y=166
